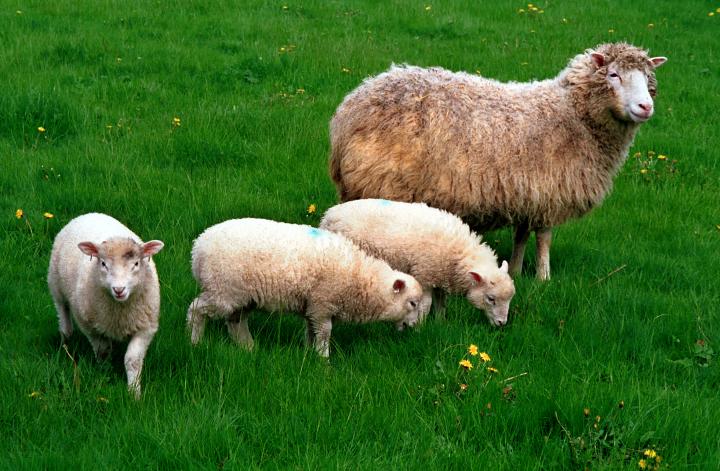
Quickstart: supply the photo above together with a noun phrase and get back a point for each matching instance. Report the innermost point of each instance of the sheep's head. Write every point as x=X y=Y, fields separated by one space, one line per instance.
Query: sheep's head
x=121 y=264
x=492 y=292
x=617 y=77
x=408 y=305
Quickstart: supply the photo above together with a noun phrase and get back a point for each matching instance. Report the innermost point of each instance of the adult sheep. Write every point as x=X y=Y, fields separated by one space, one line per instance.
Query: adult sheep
x=531 y=155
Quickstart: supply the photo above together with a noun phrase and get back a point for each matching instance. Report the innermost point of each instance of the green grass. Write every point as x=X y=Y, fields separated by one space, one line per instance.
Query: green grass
x=105 y=80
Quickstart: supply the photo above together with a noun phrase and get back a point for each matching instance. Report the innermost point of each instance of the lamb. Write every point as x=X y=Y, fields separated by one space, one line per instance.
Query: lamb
x=531 y=155
x=432 y=245
x=242 y=264
x=102 y=273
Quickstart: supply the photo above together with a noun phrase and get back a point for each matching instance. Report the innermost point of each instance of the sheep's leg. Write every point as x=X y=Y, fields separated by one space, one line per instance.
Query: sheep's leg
x=102 y=346
x=322 y=330
x=196 y=318
x=522 y=233
x=237 y=325
x=309 y=333
x=134 y=358
x=438 y=303
x=64 y=321
x=543 y=237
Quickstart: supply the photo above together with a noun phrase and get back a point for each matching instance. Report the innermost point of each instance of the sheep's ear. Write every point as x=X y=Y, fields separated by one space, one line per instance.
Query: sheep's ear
x=477 y=278
x=88 y=248
x=398 y=286
x=504 y=266
x=598 y=59
x=152 y=247
x=657 y=61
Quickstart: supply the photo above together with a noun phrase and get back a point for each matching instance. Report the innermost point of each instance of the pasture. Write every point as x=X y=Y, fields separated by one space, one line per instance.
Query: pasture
x=172 y=117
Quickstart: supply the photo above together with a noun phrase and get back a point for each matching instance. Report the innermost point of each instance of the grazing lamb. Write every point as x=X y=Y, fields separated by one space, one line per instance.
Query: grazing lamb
x=102 y=274
x=432 y=245
x=531 y=155
x=245 y=263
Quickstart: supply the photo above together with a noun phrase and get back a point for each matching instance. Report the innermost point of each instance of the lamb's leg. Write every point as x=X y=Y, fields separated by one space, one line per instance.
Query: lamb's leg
x=196 y=318
x=522 y=232
x=309 y=333
x=438 y=303
x=543 y=237
x=134 y=358
x=237 y=325
x=65 y=325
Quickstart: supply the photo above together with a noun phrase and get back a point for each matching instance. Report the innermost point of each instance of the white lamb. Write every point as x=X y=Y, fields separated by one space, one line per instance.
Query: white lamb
x=246 y=263
x=101 y=273
x=432 y=245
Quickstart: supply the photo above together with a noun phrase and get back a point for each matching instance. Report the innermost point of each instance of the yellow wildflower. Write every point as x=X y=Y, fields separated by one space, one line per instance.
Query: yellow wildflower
x=662 y=157
x=345 y=70
x=472 y=349
x=311 y=209
x=18 y=12
x=637 y=155
x=492 y=370
x=651 y=25
x=586 y=412
x=643 y=171
x=19 y=213
x=712 y=13
x=102 y=399
x=642 y=464
x=611 y=31
x=34 y=394
x=717 y=10
x=176 y=122
x=48 y=215
x=300 y=91
x=41 y=129
x=485 y=357
x=463 y=387
x=650 y=453
x=466 y=364
x=428 y=8
x=284 y=7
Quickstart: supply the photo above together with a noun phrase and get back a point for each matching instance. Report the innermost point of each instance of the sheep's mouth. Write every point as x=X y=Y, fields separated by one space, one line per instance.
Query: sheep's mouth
x=120 y=297
x=639 y=118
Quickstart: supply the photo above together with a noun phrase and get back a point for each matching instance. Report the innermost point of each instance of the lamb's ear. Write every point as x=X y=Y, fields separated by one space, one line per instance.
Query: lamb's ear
x=477 y=278
x=88 y=248
x=598 y=59
x=398 y=286
x=152 y=247
x=657 y=61
x=504 y=266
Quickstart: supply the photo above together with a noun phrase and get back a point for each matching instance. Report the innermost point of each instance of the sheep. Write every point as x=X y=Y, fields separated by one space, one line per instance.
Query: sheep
x=243 y=264
x=531 y=155
x=102 y=274
x=433 y=246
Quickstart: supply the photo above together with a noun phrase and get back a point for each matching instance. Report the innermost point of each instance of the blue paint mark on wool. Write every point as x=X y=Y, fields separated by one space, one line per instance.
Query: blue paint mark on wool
x=315 y=232
x=384 y=202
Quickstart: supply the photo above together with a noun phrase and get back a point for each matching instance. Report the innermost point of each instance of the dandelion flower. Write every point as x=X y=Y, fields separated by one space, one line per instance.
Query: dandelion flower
x=611 y=31
x=428 y=8
x=717 y=10
x=41 y=129
x=345 y=70
x=300 y=91
x=643 y=171
x=463 y=387
x=176 y=122
x=466 y=364
x=712 y=13
x=48 y=215
x=19 y=213
x=650 y=453
x=472 y=349
x=662 y=157
x=34 y=394
x=586 y=412
x=651 y=25
x=492 y=370
x=284 y=7
x=485 y=357
x=311 y=209
x=642 y=464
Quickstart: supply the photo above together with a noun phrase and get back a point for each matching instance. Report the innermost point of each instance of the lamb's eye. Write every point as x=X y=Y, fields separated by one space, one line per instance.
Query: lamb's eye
x=413 y=304
x=137 y=264
x=103 y=264
x=614 y=75
x=490 y=298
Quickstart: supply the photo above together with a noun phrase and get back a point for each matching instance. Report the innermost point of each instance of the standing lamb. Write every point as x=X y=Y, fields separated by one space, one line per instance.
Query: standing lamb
x=246 y=263
x=531 y=155
x=102 y=274
x=432 y=245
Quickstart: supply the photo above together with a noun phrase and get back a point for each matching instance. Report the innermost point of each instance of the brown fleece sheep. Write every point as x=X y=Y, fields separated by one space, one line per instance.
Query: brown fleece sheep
x=531 y=155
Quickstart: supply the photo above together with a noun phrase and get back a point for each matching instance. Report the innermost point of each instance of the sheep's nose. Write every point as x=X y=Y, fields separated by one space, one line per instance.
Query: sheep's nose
x=646 y=107
x=118 y=290
x=501 y=323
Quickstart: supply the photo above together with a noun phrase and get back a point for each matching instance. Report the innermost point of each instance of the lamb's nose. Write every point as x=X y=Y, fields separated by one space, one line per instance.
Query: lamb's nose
x=118 y=290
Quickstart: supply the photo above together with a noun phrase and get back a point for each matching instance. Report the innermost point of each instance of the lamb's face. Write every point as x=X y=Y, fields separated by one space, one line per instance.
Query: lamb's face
x=407 y=301
x=120 y=264
x=492 y=293
x=633 y=86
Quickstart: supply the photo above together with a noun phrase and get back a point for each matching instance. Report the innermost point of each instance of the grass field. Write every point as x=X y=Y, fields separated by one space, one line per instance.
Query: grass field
x=615 y=355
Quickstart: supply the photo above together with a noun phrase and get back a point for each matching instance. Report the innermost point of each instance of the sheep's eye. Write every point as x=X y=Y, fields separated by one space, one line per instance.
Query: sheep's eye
x=413 y=304
x=491 y=299
x=614 y=75
x=102 y=262
x=137 y=264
